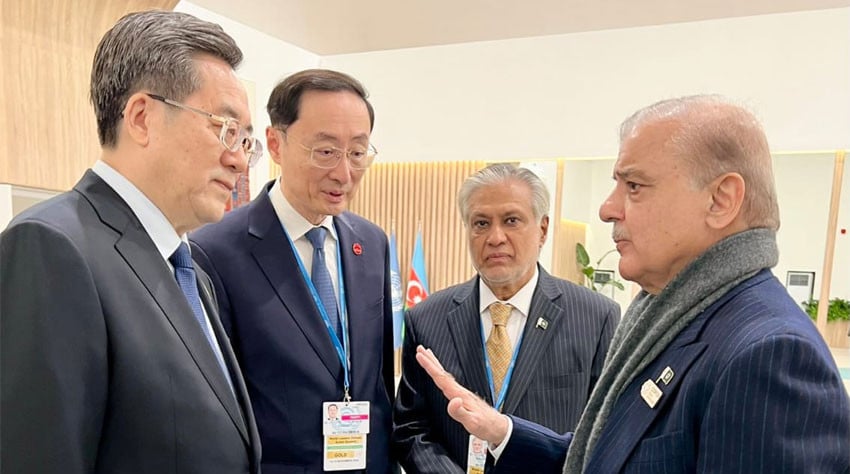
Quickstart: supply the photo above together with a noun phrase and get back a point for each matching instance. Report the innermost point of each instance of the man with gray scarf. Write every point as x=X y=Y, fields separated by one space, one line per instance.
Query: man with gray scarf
x=714 y=367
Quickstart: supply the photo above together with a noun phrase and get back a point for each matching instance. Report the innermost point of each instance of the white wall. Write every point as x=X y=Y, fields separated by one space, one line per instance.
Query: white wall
x=564 y=96
x=267 y=60
x=804 y=185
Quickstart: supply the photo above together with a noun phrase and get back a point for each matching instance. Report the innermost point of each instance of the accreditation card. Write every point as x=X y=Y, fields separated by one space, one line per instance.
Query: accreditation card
x=345 y=426
x=476 y=455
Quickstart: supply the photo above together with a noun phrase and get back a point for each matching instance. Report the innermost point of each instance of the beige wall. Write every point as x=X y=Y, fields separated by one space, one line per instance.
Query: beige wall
x=48 y=135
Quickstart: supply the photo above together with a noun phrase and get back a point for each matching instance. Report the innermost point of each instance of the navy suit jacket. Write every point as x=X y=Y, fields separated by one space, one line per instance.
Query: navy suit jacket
x=104 y=366
x=555 y=371
x=280 y=340
x=755 y=390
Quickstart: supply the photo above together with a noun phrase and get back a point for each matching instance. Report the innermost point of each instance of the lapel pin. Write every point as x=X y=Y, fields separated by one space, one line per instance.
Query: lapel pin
x=357 y=249
x=542 y=324
x=667 y=375
x=650 y=393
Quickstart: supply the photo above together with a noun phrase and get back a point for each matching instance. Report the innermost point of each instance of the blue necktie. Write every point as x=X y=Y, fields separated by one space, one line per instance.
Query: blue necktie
x=322 y=278
x=184 y=272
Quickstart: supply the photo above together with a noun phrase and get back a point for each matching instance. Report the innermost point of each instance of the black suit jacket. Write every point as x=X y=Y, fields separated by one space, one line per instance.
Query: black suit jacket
x=279 y=337
x=104 y=366
x=555 y=371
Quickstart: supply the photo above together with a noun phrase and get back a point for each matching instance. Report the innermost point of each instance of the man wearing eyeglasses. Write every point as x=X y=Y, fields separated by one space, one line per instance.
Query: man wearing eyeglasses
x=303 y=286
x=113 y=356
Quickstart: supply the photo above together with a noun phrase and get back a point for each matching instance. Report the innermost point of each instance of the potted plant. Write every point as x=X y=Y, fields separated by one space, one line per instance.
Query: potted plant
x=589 y=271
x=837 y=320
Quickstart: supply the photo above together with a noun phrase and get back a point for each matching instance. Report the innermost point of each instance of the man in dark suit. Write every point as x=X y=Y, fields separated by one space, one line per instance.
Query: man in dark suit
x=558 y=332
x=113 y=357
x=303 y=286
x=714 y=368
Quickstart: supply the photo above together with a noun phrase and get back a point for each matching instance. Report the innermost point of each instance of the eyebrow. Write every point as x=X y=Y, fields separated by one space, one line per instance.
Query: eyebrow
x=631 y=173
x=511 y=212
x=327 y=136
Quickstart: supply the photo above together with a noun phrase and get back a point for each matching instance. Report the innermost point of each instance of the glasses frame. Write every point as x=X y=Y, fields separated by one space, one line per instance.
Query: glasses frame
x=255 y=150
x=371 y=148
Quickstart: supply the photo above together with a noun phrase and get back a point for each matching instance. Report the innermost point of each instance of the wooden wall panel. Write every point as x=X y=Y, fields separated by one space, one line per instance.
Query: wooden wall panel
x=48 y=135
x=565 y=266
x=410 y=195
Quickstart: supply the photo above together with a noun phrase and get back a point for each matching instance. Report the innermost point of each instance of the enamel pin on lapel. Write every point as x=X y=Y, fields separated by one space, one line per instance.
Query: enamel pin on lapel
x=667 y=375
x=357 y=249
x=650 y=392
x=542 y=324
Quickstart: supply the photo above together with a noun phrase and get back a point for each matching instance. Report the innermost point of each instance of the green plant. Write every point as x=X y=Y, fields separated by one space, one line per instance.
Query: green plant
x=839 y=309
x=589 y=270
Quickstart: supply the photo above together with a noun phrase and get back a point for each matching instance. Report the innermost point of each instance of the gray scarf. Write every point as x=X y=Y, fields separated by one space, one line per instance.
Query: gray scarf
x=652 y=322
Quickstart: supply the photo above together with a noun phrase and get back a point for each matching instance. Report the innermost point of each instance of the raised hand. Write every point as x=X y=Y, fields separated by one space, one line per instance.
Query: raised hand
x=476 y=415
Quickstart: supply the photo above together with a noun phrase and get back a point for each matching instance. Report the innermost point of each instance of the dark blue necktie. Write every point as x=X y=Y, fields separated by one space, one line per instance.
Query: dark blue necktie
x=322 y=278
x=184 y=272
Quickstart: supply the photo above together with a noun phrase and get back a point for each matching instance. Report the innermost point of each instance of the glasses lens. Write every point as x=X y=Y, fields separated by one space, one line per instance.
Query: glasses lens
x=360 y=158
x=253 y=150
x=326 y=157
x=230 y=135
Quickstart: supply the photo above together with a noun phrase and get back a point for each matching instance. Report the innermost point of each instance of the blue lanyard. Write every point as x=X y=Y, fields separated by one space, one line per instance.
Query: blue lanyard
x=506 y=382
x=341 y=348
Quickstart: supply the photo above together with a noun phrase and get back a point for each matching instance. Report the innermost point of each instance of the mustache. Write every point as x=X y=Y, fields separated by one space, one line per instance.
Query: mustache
x=618 y=234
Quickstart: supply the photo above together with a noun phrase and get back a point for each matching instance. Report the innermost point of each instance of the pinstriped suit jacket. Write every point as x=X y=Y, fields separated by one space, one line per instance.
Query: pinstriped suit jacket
x=755 y=390
x=554 y=374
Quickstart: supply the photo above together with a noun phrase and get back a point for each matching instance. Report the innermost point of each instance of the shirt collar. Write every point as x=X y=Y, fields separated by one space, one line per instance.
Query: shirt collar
x=294 y=223
x=154 y=222
x=521 y=300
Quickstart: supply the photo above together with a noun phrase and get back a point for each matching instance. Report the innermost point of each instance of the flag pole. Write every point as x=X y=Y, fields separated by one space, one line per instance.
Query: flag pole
x=397 y=353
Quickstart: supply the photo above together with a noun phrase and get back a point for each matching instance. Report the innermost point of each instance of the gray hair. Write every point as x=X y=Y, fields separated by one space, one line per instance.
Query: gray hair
x=151 y=50
x=500 y=173
x=715 y=136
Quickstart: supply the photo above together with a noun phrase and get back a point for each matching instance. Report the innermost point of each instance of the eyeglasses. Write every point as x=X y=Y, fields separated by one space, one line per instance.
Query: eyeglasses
x=327 y=157
x=232 y=136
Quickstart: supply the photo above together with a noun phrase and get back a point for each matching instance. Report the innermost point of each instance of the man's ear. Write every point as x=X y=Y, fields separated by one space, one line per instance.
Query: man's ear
x=727 y=198
x=273 y=143
x=544 y=229
x=137 y=118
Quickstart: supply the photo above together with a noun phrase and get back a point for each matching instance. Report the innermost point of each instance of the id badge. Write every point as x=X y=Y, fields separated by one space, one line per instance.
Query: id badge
x=476 y=455
x=345 y=427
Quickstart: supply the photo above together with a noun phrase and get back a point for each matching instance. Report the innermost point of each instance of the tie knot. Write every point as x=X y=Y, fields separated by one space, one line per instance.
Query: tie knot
x=500 y=312
x=181 y=258
x=316 y=236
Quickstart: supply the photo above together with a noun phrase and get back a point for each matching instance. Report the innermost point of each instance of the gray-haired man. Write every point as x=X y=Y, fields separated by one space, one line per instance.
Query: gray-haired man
x=113 y=357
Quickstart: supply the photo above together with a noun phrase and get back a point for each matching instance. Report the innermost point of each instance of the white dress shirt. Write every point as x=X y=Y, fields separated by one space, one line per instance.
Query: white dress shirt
x=296 y=226
x=521 y=305
x=157 y=226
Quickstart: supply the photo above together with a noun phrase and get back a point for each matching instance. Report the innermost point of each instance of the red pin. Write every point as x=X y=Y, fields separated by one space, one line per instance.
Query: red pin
x=357 y=249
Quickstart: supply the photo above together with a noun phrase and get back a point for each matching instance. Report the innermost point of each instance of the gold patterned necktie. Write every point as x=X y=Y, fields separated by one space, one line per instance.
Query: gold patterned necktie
x=499 y=345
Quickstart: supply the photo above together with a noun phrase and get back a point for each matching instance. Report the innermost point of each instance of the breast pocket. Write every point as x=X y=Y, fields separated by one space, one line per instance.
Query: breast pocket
x=660 y=454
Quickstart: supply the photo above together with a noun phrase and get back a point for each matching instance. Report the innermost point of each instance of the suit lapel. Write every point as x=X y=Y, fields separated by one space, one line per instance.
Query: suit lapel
x=464 y=323
x=276 y=258
x=535 y=340
x=362 y=346
x=237 y=413
x=631 y=416
x=136 y=248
